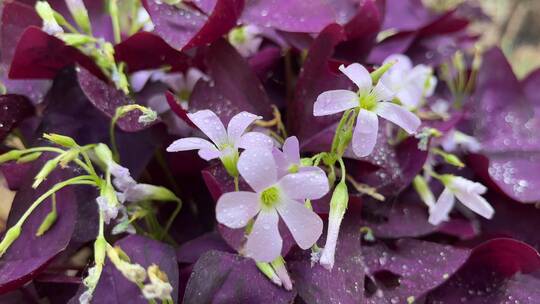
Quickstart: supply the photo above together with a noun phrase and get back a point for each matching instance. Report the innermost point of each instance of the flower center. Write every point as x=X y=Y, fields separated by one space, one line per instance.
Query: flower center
x=293 y=168
x=238 y=35
x=269 y=197
x=367 y=100
x=184 y=94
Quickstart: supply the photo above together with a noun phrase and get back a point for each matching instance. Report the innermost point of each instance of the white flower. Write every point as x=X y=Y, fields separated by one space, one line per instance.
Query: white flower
x=467 y=192
x=246 y=39
x=108 y=208
x=409 y=83
x=367 y=101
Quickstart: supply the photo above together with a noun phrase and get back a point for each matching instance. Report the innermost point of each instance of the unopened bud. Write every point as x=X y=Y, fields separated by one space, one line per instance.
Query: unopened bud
x=29 y=157
x=338 y=205
x=11 y=236
x=9 y=156
x=49 y=166
x=269 y=272
x=49 y=220
x=378 y=73
x=61 y=140
x=80 y=14
x=422 y=188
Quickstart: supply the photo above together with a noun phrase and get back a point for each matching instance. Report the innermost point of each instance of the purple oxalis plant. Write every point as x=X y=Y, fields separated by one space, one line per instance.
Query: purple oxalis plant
x=231 y=151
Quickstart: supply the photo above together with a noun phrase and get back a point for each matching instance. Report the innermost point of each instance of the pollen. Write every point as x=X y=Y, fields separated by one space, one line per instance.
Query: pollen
x=270 y=196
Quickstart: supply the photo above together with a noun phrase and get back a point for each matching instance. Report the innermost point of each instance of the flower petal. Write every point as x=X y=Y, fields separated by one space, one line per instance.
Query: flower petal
x=476 y=203
x=210 y=153
x=403 y=63
x=239 y=123
x=306 y=184
x=255 y=140
x=258 y=168
x=398 y=115
x=464 y=185
x=190 y=143
x=291 y=148
x=359 y=75
x=192 y=76
x=335 y=101
x=264 y=242
x=210 y=124
x=365 y=133
x=382 y=93
x=439 y=212
x=305 y=225
x=235 y=209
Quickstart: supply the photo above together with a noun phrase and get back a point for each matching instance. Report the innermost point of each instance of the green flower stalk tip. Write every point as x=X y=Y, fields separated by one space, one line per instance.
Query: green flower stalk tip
x=378 y=73
x=9 y=156
x=49 y=166
x=338 y=205
x=269 y=272
x=80 y=14
x=61 y=140
x=29 y=157
x=49 y=220
x=11 y=235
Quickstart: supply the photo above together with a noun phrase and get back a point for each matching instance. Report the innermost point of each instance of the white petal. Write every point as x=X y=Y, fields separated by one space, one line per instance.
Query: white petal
x=235 y=209
x=210 y=153
x=139 y=79
x=239 y=123
x=382 y=93
x=359 y=75
x=210 y=124
x=190 y=143
x=464 y=185
x=439 y=212
x=335 y=101
x=304 y=224
x=291 y=148
x=192 y=76
x=398 y=115
x=264 y=242
x=255 y=140
x=258 y=168
x=365 y=133
x=476 y=203
x=410 y=97
x=402 y=62
x=306 y=184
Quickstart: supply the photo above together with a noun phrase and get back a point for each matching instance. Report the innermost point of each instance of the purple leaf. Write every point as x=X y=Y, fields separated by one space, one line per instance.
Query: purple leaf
x=156 y=52
x=418 y=265
x=191 y=251
x=13 y=109
x=29 y=254
x=345 y=282
x=290 y=16
x=187 y=27
x=107 y=98
x=506 y=127
x=233 y=88
x=222 y=278
x=42 y=56
x=113 y=287
x=219 y=182
x=495 y=272
x=15 y=173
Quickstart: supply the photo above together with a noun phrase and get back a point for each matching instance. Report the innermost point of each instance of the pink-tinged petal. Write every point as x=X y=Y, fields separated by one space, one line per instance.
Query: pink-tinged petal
x=476 y=203
x=382 y=93
x=258 y=168
x=291 y=148
x=398 y=115
x=255 y=140
x=439 y=212
x=235 y=209
x=281 y=160
x=239 y=123
x=306 y=184
x=464 y=185
x=139 y=79
x=304 y=224
x=210 y=153
x=192 y=76
x=190 y=143
x=210 y=124
x=332 y=102
x=402 y=62
x=359 y=75
x=409 y=97
x=264 y=242
x=365 y=133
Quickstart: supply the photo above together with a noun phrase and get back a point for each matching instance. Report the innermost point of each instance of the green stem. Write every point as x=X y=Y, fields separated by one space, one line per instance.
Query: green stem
x=343 y=120
x=172 y=218
x=116 y=153
x=236 y=183
x=79 y=180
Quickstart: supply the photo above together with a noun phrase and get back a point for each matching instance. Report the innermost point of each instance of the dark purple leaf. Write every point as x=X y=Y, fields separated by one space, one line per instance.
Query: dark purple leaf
x=107 y=98
x=233 y=88
x=29 y=254
x=223 y=278
x=496 y=272
x=192 y=250
x=42 y=56
x=345 y=283
x=418 y=266
x=263 y=61
x=156 y=53
x=15 y=173
x=113 y=287
x=506 y=127
x=13 y=109
x=407 y=15
x=177 y=109
x=219 y=182
x=290 y=16
x=187 y=27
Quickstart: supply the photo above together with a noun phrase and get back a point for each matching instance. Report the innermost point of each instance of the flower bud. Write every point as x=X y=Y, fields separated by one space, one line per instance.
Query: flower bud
x=9 y=156
x=422 y=188
x=269 y=272
x=338 y=205
x=377 y=74
x=47 y=14
x=80 y=14
x=279 y=266
x=49 y=221
x=68 y=157
x=100 y=248
x=11 y=235
x=104 y=154
x=29 y=157
x=49 y=166
x=61 y=140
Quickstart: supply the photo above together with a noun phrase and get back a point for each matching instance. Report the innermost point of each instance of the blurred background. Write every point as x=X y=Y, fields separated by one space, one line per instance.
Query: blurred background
x=514 y=25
